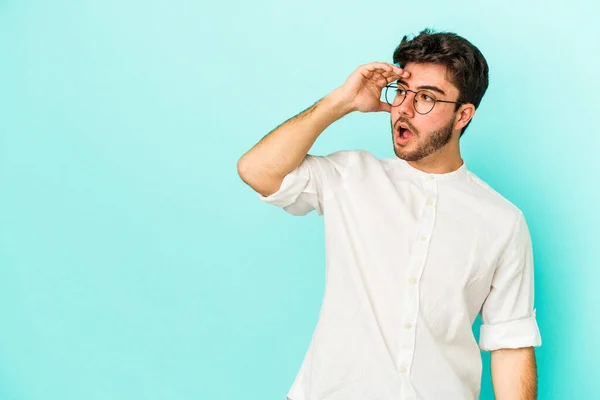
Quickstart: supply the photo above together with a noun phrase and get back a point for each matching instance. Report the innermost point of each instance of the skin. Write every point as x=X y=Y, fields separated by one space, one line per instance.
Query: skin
x=282 y=150
x=434 y=148
x=514 y=374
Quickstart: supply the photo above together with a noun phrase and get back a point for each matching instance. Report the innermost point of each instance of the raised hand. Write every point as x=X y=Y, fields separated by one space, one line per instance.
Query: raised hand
x=362 y=90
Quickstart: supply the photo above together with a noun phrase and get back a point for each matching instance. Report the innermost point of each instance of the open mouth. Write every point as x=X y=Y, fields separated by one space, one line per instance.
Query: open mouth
x=404 y=135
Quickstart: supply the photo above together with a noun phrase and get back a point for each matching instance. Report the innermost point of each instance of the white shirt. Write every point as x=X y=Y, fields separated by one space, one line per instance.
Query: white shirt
x=411 y=259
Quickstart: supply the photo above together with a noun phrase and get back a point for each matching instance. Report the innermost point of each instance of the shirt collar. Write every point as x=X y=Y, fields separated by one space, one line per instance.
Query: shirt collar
x=421 y=175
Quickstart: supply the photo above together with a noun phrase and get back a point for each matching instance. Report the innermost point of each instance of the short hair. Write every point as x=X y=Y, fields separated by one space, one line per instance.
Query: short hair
x=467 y=68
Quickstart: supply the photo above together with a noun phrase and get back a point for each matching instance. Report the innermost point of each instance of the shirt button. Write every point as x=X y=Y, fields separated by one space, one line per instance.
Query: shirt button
x=423 y=238
x=403 y=369
x=413 y=280
x=429 y=202
x=429 y=177
x=408 y=325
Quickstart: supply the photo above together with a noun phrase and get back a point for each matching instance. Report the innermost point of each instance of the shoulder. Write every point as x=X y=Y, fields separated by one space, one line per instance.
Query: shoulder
x=348 y=156
x=346 y=160
x=494 y=205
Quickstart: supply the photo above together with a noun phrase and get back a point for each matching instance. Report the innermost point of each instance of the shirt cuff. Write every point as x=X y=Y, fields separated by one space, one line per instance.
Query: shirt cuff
x=290 y=189
x=510 y=335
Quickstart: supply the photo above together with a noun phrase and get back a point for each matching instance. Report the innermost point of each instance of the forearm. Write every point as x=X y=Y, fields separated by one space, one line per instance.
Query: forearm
x=265 y=165
x=514 y=374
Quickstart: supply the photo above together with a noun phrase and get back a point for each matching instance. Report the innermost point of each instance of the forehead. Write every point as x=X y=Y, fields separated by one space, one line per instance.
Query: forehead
x=429 y=75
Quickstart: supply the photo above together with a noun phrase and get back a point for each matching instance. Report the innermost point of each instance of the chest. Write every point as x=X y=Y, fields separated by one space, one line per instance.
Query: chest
x=429 y=231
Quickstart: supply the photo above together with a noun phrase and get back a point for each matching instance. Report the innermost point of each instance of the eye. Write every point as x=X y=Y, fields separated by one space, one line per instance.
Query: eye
x=426 y=97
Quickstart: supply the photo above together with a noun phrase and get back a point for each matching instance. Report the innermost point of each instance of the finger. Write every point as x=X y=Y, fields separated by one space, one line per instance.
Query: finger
x=392 y=78
x=402 y=73
x=387 y=74
x=387 y=67
x=389 y=77
x=384 y=107
x=379 y=78
x=378 y=66
x=382 y=78
x=382 y=81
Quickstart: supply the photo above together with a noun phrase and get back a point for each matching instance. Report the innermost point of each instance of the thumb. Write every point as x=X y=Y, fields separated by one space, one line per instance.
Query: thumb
x=384 y=107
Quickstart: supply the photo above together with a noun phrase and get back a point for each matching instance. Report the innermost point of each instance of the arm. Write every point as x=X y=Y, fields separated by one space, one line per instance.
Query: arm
x=509 y=328
x=514 y=374
x=282 y=150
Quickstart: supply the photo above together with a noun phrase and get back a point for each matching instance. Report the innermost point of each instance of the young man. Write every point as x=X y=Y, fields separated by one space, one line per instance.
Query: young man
x=417 y=245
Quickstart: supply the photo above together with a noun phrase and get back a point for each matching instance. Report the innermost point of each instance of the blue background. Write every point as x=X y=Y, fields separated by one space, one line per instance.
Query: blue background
x=135 y=264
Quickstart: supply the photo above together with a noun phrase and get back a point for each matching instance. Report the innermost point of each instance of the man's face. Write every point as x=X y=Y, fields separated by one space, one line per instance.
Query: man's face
x=430 y=132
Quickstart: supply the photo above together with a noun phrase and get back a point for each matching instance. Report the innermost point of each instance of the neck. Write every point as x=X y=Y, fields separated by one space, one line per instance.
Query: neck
x=443 y=161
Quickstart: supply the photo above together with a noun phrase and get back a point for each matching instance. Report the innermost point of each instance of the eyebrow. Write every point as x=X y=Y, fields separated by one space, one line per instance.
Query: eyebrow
x=427 y=87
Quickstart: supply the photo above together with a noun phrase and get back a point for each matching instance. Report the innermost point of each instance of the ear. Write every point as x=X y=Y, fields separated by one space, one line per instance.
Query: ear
x=464 y=115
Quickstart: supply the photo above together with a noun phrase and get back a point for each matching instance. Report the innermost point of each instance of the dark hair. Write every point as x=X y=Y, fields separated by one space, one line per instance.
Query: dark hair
x=466 y=66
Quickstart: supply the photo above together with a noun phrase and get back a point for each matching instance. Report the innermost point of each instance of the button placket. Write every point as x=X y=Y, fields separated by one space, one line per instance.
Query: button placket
x=419 y=258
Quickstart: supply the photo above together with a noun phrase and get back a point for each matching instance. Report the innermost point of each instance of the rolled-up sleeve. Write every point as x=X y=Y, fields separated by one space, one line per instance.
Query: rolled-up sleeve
x=308 y=186
x=509 y=319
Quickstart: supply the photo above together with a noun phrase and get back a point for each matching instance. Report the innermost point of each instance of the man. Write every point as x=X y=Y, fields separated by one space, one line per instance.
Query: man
x=417 y=245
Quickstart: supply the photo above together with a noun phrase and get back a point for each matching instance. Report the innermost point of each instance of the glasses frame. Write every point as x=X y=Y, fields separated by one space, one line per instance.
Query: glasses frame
x=435 y=100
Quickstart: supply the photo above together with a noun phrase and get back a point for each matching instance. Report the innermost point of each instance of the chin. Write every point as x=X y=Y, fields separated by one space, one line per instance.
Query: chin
x=406 y=155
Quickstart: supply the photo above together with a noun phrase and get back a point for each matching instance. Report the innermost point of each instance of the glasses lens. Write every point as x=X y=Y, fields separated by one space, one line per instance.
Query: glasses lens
x=393 y=96
x=424 y=101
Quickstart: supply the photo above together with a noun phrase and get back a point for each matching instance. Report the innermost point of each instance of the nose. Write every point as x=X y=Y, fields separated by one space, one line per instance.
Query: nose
x=407 y=107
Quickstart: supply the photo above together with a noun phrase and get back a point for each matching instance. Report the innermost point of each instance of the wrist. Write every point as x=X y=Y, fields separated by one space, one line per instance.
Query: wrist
x=338 y=103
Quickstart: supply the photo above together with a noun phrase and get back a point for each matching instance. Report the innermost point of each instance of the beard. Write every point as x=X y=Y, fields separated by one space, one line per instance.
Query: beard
x=433 y=142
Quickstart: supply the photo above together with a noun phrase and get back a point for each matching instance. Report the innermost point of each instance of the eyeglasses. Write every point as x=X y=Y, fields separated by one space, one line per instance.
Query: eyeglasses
x=424 y=100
